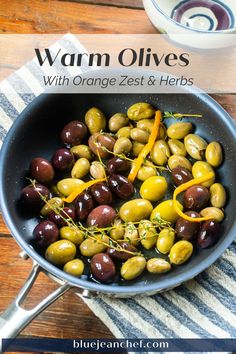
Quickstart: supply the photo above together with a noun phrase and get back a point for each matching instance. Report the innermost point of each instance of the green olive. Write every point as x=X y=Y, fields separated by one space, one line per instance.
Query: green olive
x=131 y=234
x=117 y=121
x=165 y=240
x=60 y=252
x=137 y=148
x=179 y=130
x=124 y=132
x=177 y=160
x=82 y=151
x=139 y=135
x=218 y=195
x=140 y=110
x=50 y=205
x=160 y=153
x=201 y=169
x=68 y=185
x=95 y=120
x=89 y=247
x=195 y=146
x=71 y=234
x=80 y=168
x=158 y=266
x=166 y=211
x=177 y=147
x=214 y=154
x=55 y=191
x=74 y=267
x=214 y=213
x=146 y=124
x=122 y=146
x=133 y=267
x=117 y=232
x=180 y=252
x=154 y=188
x=147 y=234
x=135 y=210
x=97 y=170
x=145 y=172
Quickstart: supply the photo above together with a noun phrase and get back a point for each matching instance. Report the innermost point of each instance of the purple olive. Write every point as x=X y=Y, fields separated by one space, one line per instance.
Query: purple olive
x=74 y=133
x=196 y=197
x=209 y=234
x=121 y=255
x=45 y=233
x=42 y=170
x=84 y=204
x=121 y=186
x=97 y=142
x=101 y=193
x=181 y=175
x=63 y=160
x=102 y=216
x=102 y=268
x=66 y=213
x=185 y=229
x=31 y=196
x=118 y=165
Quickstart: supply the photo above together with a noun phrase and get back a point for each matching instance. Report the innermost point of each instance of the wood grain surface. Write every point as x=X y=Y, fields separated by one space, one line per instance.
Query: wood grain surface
x=68 y=317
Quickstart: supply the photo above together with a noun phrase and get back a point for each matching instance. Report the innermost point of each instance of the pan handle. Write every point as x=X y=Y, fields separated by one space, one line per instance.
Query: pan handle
x=15 y=318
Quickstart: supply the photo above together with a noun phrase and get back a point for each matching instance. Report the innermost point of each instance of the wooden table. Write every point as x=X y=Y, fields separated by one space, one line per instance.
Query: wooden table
x=68 y=317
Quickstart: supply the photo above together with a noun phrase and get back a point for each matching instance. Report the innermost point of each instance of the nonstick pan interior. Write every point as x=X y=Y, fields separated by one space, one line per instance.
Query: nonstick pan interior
x=36 y=133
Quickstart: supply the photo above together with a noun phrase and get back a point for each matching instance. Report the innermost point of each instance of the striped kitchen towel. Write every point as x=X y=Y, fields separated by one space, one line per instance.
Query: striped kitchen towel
x=201 y=308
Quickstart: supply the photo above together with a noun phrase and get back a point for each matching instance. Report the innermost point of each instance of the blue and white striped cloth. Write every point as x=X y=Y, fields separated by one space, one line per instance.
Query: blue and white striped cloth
x=201 y=308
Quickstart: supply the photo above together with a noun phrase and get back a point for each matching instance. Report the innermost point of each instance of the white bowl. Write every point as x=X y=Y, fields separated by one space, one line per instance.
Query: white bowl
x=212 y=22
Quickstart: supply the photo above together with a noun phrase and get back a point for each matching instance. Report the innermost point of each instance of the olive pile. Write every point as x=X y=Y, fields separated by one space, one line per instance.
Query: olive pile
x=110 y=223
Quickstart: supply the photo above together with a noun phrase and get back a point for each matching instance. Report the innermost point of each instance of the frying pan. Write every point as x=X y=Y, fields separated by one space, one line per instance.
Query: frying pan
x=36 y=133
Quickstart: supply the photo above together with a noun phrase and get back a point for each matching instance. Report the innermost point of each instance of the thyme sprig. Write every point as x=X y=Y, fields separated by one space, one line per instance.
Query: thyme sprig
x=180 y=116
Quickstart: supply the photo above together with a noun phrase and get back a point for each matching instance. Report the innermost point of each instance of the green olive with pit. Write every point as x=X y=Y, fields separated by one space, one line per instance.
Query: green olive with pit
x=95 y=120
x=117 y=121
x=97 y=170
x=180 y=252
x=139 y=135
x=179 y=130
x=133 y=267
x=158 y=266
x=122 y=146
x=177 y=147
x=195 y=146
x=146 y=124
x=201 y=169
x=154 y=188
x=137 y=148
x=166 y=211
x=91 y=246
x=131 y=234
x=217 y=195
x=74 y=267
x=147 y=234
x=51 y=204
x=80 y=168
x=60 y=252
x=214 y=154
x=135 y=210
x=140 y=110
x=146 y=172
x=124 y=132
x=214 y=213
x=160 y=153
x=67 y=185
x=179 y=161
x=82 y=151
x=117 y=231
x=165 y=240
x=72 y=234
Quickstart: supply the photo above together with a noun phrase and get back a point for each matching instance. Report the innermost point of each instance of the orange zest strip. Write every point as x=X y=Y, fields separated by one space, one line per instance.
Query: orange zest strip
x=81 y=188
x=183 y=188
x=146 y=149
